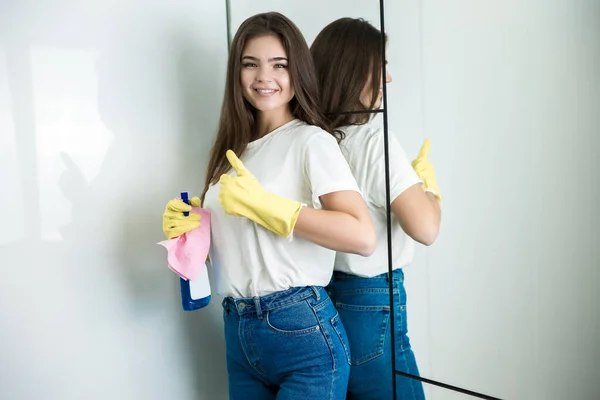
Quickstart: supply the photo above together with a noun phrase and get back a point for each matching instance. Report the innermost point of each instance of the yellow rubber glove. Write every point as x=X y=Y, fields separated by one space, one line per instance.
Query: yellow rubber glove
x=175 y=223
x=424 y=169
x=243 y=196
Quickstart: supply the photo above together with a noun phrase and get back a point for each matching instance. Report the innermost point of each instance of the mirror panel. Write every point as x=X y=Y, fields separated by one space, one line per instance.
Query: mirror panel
x=509 y=275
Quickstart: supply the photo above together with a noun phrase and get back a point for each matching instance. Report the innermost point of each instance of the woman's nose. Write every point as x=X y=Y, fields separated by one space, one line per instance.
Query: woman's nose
x=264 y=75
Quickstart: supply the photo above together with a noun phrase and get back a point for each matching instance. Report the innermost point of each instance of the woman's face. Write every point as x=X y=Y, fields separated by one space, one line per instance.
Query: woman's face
x=264 y=74
x=365 y=96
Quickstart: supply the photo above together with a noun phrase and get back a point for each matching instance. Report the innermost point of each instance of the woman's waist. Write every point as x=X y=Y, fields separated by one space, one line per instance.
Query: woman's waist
x=259 y=304
x=397 y=273
x=372 y=266
x=249 y=280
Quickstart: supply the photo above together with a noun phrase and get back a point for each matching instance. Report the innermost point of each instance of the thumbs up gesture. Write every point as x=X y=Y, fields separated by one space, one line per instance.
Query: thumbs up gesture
x=424 y=169
x=243 y=196
x=236 y=189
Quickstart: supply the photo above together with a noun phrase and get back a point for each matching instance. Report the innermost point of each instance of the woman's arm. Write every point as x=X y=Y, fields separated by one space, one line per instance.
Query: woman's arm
x=344 y=224
x=418 y=213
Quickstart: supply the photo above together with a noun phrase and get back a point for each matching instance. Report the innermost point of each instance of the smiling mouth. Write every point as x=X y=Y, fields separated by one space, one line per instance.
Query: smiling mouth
x=265 y=92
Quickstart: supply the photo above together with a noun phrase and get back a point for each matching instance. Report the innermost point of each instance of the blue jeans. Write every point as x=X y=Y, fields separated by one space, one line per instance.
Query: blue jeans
x=364 y=308
x=287 y=345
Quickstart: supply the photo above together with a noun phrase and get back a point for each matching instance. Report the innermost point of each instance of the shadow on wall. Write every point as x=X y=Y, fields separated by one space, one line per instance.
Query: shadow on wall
x=128 y=112
x=107 y=283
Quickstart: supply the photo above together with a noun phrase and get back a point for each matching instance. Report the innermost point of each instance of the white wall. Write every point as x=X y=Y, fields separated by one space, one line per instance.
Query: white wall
x=107 y=109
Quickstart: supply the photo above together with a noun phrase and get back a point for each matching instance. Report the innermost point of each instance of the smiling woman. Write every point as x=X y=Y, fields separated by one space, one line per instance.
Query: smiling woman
x=266 y=81
x=278 y=214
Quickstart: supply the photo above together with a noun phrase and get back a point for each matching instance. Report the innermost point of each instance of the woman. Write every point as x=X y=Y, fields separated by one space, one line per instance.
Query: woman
x=278 y=214
x=347 y=56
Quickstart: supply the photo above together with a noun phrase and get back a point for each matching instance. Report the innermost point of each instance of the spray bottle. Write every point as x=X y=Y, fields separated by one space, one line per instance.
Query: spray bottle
x=194 y=294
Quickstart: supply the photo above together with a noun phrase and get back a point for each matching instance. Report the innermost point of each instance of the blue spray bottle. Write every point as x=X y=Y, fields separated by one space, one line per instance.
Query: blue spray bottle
x=194 y=294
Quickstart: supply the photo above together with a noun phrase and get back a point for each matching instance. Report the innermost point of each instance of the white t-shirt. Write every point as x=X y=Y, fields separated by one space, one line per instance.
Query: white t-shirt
x=364 y=150
x=297 y=161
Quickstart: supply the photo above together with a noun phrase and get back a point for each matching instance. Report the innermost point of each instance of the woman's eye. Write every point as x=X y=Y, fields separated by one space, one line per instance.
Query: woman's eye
x=249 y=65
x=278 y=66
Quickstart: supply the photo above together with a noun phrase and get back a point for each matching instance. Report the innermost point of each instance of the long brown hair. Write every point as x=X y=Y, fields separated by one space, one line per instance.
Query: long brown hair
x=237 y=122
x=346 y=53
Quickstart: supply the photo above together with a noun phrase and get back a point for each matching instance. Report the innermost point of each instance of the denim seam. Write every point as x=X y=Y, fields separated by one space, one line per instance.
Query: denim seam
x=405 y=365
x=353 y=307
x=333 y=370
x=339 y=292
x=400 y=322
x=319 y=306
x=329 y=345
x=247 y=340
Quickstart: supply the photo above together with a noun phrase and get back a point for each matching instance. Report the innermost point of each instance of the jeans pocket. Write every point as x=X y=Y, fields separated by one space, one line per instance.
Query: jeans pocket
x=366 y=327
x=293 y=320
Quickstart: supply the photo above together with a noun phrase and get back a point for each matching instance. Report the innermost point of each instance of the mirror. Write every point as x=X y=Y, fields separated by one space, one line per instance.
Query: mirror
x=502 y=305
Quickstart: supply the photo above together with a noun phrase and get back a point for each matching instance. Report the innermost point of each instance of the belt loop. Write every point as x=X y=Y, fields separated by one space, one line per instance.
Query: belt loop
x=225 y=306
x=257 y=306
x=316 y=292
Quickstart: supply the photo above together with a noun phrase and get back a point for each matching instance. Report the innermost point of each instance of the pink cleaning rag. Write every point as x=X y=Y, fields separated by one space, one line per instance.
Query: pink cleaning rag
x=186 y=254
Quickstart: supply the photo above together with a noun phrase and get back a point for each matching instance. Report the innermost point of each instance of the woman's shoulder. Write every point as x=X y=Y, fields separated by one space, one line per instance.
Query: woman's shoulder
x=365 y=133
x=307 y=132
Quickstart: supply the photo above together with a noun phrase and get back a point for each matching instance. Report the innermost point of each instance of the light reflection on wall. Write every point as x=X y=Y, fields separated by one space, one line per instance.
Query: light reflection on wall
x=72 y=140
x=11 y=192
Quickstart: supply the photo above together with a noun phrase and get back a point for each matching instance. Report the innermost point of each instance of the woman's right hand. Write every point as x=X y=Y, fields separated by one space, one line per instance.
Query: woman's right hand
x=425 y=171
x=175 y=223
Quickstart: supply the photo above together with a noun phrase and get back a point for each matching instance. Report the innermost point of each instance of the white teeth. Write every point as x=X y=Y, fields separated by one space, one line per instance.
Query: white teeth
x=265 y=90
